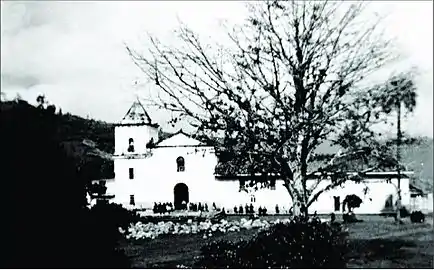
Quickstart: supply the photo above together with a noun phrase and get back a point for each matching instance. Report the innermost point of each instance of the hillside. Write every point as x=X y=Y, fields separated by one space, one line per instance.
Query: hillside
x=92 y=155
x=417 y=156
x=72 y=132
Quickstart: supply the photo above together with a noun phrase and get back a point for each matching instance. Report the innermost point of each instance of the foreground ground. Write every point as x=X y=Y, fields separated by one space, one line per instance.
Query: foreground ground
x=375 y=243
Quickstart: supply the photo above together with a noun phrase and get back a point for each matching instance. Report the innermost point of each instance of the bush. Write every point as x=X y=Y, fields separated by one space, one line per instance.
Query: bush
x=103 y=222
x=58 y=231
x=114 y=215
x=417 y=217
x=352 y=201
x=302 y=244
x=404 y=212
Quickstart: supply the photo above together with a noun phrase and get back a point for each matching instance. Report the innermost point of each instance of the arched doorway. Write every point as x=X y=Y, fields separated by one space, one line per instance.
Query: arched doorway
x=180 y=194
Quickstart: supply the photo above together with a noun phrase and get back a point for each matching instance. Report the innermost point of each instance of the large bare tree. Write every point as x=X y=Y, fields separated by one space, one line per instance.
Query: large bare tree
x=291 y=78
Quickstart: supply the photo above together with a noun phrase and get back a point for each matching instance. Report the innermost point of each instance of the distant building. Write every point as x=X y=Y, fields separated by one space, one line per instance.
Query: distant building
x=181 y=168
x=420 y=199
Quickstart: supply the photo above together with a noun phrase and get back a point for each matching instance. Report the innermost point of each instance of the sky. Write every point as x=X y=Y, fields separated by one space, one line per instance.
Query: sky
x=73 y=52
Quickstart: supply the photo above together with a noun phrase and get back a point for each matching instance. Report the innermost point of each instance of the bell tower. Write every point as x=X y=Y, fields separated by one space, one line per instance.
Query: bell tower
x=135 y=132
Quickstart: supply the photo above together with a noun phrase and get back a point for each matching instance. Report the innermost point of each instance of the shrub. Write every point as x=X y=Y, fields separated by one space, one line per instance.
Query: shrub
x=103 y=222
x=404 y=212
x=417 y=217
x=352 y=201
x=302 y=244
x=58 y=231
x=114 y=214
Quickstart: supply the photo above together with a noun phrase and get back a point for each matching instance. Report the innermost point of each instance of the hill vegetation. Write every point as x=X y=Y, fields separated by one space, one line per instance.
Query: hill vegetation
x=90 y=141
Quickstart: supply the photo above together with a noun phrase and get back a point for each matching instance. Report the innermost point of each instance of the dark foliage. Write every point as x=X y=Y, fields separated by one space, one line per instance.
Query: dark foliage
x=114 y=215
x=352 y=201
x=104 y=220
x=417 y=217
x=70 y=131
x=46 y=223
x=98 y=189
x=299 y=244
x=404 y=212
x=73 y=127
x=86 y=158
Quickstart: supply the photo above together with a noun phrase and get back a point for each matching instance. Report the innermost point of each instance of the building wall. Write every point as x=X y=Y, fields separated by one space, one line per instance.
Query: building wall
x=155 y=177
x=422 y=203
x=374 y=200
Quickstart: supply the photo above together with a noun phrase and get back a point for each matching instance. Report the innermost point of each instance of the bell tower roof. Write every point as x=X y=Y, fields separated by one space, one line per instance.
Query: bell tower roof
x=136 y=116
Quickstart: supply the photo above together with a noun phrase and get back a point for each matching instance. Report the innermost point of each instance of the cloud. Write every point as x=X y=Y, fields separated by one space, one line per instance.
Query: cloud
x=56 y=48
x=74 y=53
x=11 y=80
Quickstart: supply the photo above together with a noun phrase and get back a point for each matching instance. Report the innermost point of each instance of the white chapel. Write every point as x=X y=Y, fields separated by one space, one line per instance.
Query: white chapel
x=181 y=168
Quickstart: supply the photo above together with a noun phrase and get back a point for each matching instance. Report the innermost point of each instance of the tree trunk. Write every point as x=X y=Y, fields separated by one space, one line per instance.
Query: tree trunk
x=398 y=159
x=296 y=190
x=296 y=209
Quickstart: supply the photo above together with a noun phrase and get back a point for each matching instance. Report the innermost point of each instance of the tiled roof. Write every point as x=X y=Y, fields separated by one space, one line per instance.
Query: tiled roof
x=137 y=115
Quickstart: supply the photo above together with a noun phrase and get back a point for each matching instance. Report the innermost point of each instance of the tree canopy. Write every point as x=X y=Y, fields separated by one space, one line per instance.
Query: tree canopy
x=292 y=78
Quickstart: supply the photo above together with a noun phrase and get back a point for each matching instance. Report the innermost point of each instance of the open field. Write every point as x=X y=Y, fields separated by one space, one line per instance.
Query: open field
x=382 y=244
x=375 y=243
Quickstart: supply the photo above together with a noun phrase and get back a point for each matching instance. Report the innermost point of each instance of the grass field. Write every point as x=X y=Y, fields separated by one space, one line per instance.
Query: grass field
x=375 y=243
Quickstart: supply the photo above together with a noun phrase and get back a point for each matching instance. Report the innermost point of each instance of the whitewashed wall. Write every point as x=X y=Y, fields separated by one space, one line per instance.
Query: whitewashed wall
x=140 y=134
x=155 y=179
x=424 y=204
x=156 y=176
x=373 y=202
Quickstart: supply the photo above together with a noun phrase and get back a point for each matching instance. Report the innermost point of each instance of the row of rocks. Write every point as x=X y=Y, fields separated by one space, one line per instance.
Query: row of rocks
x=207 y=228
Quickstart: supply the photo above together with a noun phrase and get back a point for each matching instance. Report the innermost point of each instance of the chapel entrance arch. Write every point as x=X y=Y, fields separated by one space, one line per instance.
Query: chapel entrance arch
x=181 y=195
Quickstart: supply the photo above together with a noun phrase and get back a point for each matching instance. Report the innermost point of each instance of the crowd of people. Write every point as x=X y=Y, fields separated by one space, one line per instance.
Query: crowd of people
x=168 y=207
x=163 y=208
x=248 y=209
x=203 y=207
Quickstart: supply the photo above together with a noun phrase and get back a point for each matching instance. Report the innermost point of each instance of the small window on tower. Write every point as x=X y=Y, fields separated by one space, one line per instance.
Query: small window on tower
x=132 y=201
x=242 y=184
x=180 y=164
x=273 y=184
x=131 y=145
x=131 y=173
x=337 y=203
